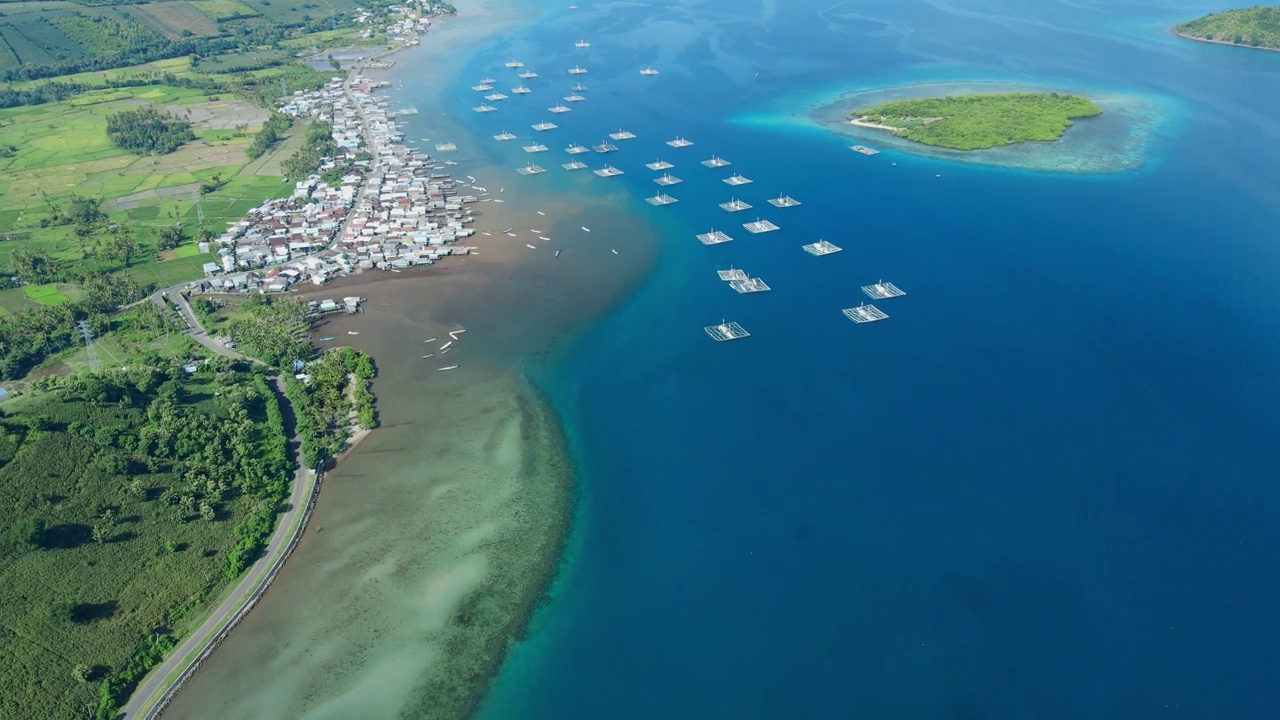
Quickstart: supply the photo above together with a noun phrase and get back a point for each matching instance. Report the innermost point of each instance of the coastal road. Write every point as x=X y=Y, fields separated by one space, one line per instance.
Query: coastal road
x=154 y=689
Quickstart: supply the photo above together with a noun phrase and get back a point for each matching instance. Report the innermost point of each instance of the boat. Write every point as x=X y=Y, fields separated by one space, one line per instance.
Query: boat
x=431 y=339
x=580 y=43
x=557 y=253
x=428 y=355
x=325 y=339
x=446 y=346
x=352 y=332
x=615 y=252
x=449 y=367
x=586 y=229
x=531 y=247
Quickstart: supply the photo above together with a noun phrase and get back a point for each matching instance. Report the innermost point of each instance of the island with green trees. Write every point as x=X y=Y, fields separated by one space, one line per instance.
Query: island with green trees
x=978 y=122
x=1255 y=27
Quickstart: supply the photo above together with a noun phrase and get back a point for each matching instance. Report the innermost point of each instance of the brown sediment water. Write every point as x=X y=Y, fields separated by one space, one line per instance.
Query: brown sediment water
x=434 y=538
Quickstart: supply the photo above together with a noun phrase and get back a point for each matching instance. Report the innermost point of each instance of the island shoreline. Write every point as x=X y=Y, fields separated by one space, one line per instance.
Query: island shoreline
x=1222 y=42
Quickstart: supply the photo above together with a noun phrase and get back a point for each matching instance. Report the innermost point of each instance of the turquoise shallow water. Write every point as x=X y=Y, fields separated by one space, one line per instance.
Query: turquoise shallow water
x=1045 y=487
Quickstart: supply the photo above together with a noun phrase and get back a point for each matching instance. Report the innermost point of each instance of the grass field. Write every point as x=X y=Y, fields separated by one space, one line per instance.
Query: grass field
x=45 y=294
x=63 y=149
x=224 y=9
x=171 y=18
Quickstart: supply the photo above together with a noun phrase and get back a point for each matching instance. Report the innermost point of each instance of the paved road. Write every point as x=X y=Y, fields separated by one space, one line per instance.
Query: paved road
x=153 y=689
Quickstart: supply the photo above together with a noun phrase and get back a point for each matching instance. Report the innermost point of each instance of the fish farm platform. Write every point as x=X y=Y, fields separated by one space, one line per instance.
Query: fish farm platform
x=576 y=149
x=784 y=201
x=726 y=331
x=882 y=291
x=759 y=226
x=527 y=75
x=535 y=148
x=515 y=64
x=715 y=237
x=574 y=166
x=495 y=97
x=544 y=126
x=446 y=147
x=864 y=314
x=661 y=199
x=732 y=274
x=559 y=109
x=573 y=98
x=820 y=248
x=735 y=205
x=482 y=88
x=754 y=285
x=736 y=180
x=604 y=147
x=577 y=71
x=504 y=136
x=668 y=180
x=530 y=169
x=622 y=135
x=716 y=162
x=607 y=171
x=864 y=150
x=659 y=165
x=679 y=143
x=484 y=108
x=521 y=90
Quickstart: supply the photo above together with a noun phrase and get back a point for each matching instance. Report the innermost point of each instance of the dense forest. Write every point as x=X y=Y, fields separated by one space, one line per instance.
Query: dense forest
x=334 y=394
x=973 y=122
x=1250 y=27
x=148 y=131
x=131 y=496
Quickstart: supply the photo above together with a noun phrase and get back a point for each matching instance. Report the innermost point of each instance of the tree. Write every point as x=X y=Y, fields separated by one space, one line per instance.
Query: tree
x=170 y=237
x=148 y=131
x=81 y=672
x=28 y=532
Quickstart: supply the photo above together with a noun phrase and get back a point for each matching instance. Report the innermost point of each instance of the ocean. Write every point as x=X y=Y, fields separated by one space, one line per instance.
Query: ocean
x=1044 y=487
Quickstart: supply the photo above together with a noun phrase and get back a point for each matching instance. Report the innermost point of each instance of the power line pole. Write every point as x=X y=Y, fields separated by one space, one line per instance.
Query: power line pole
x=92 y=351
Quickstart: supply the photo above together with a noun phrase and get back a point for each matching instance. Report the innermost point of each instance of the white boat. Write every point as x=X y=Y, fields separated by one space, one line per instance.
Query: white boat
x=531 y=247
x=557 y=253
x=586 y=229
x=352 y=332
x=449 y=367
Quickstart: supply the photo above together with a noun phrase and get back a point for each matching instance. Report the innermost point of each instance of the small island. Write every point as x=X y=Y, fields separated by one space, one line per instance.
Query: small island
x=1255 y=27
x=978 y=122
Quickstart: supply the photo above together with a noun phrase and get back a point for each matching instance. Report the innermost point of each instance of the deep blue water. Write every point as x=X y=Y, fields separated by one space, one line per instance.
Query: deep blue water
x=1046 y=487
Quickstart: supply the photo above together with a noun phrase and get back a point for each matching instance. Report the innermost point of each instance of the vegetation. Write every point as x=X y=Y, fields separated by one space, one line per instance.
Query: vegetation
x=273 y=329
x=1257 y=27
x=131 y=497
x=272 y=130
x=972 y=122
x=317 y=146
x=29 y=336
x=148 y=131
x=333 y=392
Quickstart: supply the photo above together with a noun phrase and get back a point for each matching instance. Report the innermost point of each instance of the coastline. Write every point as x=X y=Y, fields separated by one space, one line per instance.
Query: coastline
x=1221 y=42
x=874 y=126
x=487 y=549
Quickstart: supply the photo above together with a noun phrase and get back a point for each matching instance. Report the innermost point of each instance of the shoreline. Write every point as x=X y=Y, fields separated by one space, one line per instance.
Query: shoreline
x=1222 y=42
x=874 y=126
x=471 y=291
